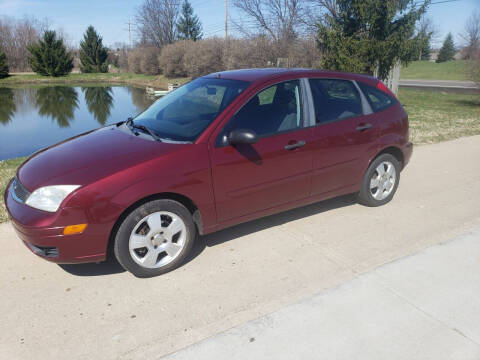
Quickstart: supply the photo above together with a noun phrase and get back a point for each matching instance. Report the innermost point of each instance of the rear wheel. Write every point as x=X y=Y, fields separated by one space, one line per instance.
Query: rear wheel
x=155 y=238
x=380 y=181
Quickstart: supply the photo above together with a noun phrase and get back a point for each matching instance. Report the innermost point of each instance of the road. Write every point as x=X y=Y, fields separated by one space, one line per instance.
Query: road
x=441 y=84
x=236 y=275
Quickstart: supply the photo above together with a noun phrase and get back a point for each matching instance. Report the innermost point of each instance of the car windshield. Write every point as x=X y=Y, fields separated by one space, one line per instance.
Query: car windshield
x=186 y=112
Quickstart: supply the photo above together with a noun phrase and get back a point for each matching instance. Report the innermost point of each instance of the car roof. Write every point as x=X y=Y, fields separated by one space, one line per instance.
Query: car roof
x=262 y=74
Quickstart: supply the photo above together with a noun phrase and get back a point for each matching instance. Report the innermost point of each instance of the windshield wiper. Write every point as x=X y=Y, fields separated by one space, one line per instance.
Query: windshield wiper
x=150 y=132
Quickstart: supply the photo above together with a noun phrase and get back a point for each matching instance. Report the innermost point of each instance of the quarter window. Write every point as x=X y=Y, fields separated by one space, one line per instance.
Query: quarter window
x=273 y=110
x=378 y=99
x=335 y=99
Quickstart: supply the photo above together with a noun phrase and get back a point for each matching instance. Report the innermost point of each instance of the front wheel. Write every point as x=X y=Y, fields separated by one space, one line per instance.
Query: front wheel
x=155 y=238
x=380 y=181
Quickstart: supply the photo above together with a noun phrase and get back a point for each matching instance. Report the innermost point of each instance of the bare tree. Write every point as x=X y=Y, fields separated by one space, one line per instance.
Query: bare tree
x=156 y=22
x=278 y=18
x=16 y=35
x=471 y=35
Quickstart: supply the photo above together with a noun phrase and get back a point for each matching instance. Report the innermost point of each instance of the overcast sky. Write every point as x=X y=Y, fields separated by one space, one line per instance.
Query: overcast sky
x=110 y=17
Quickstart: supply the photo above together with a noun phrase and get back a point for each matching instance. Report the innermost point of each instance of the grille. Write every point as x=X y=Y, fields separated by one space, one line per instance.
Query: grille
x=18 y=192
x=47 y=251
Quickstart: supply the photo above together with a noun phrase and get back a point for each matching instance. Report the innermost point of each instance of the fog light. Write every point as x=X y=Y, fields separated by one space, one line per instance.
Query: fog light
x=74 y=229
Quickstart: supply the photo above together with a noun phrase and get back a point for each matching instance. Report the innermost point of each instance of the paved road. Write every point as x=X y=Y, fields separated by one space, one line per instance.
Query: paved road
x=97 y=311
x=420 y=307
x=440 y=84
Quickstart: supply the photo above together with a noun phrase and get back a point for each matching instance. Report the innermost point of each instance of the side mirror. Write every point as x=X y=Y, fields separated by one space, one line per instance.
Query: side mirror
x=242 y=136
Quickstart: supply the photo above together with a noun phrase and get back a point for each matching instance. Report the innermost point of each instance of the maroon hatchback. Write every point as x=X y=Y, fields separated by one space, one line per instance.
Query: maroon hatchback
x=223 y=149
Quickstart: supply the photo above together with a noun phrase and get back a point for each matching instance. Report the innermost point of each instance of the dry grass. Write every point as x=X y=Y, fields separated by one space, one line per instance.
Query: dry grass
x=156 y=81
x=438 y=116
x=7 y=171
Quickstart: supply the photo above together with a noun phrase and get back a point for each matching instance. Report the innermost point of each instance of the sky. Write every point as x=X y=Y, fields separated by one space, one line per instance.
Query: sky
x=110 y=17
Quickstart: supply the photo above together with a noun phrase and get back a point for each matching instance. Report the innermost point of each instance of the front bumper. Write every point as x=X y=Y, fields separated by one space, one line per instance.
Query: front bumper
x=42 y=233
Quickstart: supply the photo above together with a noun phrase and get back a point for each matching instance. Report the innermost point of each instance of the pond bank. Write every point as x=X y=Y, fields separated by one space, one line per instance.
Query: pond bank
x=155 y=81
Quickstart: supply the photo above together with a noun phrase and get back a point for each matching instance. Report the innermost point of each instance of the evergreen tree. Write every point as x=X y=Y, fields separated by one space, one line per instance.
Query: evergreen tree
x=93 y=55
x=3 y=65
x=188 y=25
x=49 y=57
x=447 y=52
x=368 y=35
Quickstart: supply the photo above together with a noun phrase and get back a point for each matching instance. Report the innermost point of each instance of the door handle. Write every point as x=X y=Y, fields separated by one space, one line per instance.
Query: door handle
x=297 y=145
x=364 y=127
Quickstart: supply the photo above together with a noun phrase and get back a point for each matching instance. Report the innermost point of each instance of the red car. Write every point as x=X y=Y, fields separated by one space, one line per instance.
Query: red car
x=223 y=149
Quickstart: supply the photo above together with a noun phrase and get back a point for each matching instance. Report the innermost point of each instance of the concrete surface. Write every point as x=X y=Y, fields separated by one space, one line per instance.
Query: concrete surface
x=236 y=275
x=420 y=307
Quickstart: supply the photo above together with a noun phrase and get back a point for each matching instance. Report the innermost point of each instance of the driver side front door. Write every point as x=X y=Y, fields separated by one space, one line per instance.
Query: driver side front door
x=274 y=171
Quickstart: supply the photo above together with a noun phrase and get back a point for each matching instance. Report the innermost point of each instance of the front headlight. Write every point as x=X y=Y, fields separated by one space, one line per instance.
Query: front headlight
x=49 y=198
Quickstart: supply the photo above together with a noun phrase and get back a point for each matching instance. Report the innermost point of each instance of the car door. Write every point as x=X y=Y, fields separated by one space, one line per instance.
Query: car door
x=344 y=135
x=275 y=170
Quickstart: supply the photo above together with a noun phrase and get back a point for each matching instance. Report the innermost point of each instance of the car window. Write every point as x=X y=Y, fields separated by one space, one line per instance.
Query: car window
x=185 y=113
x=273 y=110
x=378 y=99
x=335 y=99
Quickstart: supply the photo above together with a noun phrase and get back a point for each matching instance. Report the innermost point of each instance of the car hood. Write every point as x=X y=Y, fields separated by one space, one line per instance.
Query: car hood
x=88 y=157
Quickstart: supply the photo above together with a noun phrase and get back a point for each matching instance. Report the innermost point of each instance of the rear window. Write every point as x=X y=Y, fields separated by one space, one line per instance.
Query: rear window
x=378 y=99
x=335 y=99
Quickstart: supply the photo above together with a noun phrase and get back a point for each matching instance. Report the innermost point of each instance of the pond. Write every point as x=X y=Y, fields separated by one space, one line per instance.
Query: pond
x=32 y=118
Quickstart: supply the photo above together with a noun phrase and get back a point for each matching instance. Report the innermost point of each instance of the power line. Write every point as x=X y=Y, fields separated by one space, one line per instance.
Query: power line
x=129 y=23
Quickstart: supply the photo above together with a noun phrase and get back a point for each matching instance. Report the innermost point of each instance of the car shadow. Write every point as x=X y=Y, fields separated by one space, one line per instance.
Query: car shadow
x=108 y=267
x=254 y=226
x=111 y=265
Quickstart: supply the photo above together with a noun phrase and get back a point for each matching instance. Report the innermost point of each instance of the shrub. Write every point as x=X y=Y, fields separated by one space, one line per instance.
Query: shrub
x=134 y=58
x=149 y=61
x=172 y=61
x=204 y=57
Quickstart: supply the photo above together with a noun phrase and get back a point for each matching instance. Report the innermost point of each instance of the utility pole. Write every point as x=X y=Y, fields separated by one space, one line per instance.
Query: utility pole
x=226 y=19
x=129 y=23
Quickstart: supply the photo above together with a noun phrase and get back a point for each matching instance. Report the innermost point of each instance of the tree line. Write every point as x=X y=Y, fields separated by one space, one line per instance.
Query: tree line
x=365 y=36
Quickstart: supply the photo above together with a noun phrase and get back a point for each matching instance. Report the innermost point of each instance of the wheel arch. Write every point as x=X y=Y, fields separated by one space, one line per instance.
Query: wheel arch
x=392 y=150
x=182 y=199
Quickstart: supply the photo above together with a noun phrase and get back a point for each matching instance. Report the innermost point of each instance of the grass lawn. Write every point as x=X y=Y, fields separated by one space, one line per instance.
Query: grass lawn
x=156 y=81
x=434 y=116
x=438 y=116
x=7 y=171
x=426 y=70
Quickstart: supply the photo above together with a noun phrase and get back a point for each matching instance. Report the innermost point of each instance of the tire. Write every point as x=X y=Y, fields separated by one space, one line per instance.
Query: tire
x=387 y=182
x=155 y=238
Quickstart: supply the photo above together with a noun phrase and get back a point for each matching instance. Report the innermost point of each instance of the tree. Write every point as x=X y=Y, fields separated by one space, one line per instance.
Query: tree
x=49 y=57
x=447 y=52
x=425 y=33
x=157 y=21
x=278 y=18
x=188 y=25
x=366 y=36
x=3 y=65
x=93 y=55
x=472 y=35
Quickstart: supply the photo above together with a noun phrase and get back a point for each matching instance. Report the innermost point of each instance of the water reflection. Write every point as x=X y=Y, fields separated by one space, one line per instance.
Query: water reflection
x=58 y=102
x=26 y=113
x=7 y=105
x=99 y=101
